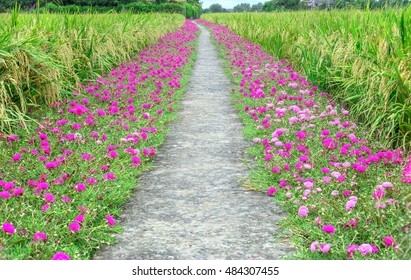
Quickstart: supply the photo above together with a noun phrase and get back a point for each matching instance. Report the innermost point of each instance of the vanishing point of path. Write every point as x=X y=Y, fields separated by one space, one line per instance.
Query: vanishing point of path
x=191 y=205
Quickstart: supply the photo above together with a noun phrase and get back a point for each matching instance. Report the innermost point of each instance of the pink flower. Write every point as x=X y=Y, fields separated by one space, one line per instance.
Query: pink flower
x=349 y=205
x=5 y=195
x=74 y=227
x=365 y=249
x=378 y=194
x=66 y=199
x=43 y=185
x=110 y=220
x=327 y=179
x=76 y=126
x=80 y=187
x=8 y=228
x=351 y=249
x=325 y=248
x=40 y=236
x=303 y=211
x=16 y=157
x=288 y=195
x=328 y=229
x=388 y=241
x=45 y=207
x=387 y=185
x=335 y=193
x=79 y=218
x=308 y=185
x=313 y=246
x=113 y=154
x=109 y=176
x=61 y=256
x=18 y=191
x=346 y=193
x=48 y=197
x=271 y=191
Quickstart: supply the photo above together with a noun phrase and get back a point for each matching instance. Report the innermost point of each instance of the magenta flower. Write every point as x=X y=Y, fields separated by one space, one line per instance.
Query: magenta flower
x=351 y=249
x=346 y=193
x=74 y=227
x=18 y=191
x=79 y=218
x=378 y=194
x=110 y=221
x=8 y=228
x=48 y=197
x=303 y=211
x=80 y=187
x=388 y=241
x=113 y=154
x=40 y=236
x=328 y=229
x=66 y=199
x=16 y=157
x=271 y=191
x=75 y=126
x=61 y=256
x=5 y=195
x=43 y=185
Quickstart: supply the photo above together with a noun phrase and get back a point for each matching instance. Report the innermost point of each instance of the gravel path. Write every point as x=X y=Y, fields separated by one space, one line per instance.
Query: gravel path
x=191 y=205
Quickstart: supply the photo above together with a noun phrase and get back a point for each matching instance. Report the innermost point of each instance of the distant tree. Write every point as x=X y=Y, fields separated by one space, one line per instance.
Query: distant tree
x=243 y=7
x=257 y=7
x=216 y=8
x=269 y=6
x=281 y=5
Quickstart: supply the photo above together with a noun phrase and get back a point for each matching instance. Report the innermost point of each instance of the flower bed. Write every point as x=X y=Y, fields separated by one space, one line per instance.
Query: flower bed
x=344 y=194
x=61 y=186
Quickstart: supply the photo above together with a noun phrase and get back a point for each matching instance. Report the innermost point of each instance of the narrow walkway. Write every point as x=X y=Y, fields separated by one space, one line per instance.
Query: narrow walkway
x=191 y=205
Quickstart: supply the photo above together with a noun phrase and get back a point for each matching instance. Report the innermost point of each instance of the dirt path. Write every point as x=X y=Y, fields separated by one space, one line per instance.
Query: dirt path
x=191 y=205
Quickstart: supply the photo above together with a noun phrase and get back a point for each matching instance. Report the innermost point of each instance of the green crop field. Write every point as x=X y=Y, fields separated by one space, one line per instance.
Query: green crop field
x=363 y=58
x=44 y=56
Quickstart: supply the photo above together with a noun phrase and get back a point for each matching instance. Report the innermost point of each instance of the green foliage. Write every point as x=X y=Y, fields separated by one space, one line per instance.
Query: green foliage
x=216 y=8
x=243 y=7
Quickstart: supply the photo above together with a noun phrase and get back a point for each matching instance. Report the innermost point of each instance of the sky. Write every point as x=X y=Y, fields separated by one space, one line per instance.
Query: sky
x=229 y=4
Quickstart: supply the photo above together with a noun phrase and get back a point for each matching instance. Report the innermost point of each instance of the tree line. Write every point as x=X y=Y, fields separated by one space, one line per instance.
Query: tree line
x=190 y=8
x=282 y=5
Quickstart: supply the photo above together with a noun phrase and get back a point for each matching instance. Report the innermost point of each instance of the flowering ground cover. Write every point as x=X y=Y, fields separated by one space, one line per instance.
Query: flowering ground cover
x=346 y=196
x=62 y=185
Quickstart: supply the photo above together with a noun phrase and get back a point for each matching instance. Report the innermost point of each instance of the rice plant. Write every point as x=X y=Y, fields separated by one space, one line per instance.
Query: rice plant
x=44 y=56
x=362 y=57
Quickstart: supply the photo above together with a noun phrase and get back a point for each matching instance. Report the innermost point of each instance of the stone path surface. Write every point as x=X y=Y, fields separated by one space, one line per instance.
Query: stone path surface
x=191 y=205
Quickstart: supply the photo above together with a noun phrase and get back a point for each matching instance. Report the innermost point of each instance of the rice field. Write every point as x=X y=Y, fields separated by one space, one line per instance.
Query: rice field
x=43 y=57
x=363 y=58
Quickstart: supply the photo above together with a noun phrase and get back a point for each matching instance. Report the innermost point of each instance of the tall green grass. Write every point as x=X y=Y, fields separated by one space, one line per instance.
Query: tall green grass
x=44 y=56
x=362 y=57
